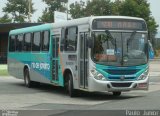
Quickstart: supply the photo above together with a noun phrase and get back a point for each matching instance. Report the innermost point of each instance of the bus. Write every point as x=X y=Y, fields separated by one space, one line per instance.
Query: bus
x=94 y=54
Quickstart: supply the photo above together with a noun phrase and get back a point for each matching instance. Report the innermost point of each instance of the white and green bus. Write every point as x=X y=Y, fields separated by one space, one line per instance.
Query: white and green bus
x=95 y=54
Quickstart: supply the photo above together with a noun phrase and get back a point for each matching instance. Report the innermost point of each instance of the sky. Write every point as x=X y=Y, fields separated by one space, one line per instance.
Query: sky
x=40 y=6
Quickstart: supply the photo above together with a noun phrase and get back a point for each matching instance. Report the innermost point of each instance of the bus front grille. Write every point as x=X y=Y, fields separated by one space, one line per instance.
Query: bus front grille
x=119 y=78
x=121 y=84
x=121 y=72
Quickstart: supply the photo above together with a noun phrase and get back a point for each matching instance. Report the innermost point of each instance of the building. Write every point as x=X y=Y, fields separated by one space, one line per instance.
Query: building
x=4 y=32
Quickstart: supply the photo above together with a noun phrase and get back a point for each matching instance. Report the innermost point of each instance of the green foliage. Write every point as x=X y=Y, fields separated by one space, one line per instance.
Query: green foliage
x=46 y=17
x=98 y=8
x=4 y=73
x=5 y=19
x=115 y=7
x=53 y=5
x=18 y=9
x=3 y=70
x=77 y=9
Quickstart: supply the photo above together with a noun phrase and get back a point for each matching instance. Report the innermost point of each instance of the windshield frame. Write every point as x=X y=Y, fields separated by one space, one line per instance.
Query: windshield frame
x=121 y=32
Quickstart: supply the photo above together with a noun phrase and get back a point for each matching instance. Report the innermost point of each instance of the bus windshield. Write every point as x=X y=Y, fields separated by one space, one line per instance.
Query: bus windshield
x=120 y=48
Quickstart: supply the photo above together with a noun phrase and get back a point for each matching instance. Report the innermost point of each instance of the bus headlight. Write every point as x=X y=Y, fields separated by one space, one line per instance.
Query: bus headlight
x=97 y=75
x=143 y=75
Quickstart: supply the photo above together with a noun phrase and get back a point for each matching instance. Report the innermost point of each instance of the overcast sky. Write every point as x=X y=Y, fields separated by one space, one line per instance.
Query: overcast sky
x=40 y=6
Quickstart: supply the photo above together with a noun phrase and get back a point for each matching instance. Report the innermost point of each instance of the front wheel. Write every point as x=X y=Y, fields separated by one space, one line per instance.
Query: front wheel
x=70 y=88
x=27 y=80
x=116 y=93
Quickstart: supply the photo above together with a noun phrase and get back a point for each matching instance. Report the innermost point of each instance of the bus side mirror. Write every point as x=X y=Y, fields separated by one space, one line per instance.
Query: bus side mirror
x=90 y=42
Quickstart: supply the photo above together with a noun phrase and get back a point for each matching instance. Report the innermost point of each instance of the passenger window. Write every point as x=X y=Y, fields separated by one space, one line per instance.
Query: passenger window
x=45 y=41
x=12 y=43
x=19 y=43
x=71 y=39
x=36 y=46
x=62 y=39
x=27 y=42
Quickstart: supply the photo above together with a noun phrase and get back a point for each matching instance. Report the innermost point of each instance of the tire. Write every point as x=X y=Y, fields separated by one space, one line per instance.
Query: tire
x=28 y=83
x=116 y=93
x=71 y=90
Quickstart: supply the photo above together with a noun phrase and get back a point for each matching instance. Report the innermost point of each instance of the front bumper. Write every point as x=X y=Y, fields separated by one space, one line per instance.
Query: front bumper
x=112 y=86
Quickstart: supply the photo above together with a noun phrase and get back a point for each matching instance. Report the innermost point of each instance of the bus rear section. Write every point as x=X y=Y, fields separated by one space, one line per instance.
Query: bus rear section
x=29 y=54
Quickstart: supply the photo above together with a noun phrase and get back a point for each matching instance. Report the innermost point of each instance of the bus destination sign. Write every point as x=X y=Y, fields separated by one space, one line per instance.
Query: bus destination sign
x=119 y=24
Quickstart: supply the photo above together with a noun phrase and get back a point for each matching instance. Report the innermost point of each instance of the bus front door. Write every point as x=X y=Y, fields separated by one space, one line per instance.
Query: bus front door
x=55 y=65
x=83 y=71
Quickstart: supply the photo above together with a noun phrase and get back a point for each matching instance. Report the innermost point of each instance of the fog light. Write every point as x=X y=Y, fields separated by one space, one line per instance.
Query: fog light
x=142 y=85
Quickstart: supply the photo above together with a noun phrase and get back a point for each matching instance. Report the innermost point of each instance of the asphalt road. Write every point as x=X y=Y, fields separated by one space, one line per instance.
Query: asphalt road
x=14 y=95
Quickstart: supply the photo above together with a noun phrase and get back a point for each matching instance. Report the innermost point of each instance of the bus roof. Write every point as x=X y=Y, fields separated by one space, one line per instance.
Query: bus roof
x=86 y=20
x=72 y=22
x=31 y=29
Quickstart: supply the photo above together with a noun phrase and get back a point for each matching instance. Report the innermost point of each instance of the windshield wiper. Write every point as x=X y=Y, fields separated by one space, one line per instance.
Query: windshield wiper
x=113 y=41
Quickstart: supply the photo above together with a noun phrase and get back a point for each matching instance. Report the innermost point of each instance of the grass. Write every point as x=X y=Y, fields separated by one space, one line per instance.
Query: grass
x=3 y=70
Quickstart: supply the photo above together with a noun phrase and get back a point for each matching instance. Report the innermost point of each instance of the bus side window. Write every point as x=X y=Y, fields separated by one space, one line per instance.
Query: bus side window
x=45 y=40
x=19 y=43
x=71 y=39
x=12 y=43
x=36 y=45
x=27 y=42
x=62 y=39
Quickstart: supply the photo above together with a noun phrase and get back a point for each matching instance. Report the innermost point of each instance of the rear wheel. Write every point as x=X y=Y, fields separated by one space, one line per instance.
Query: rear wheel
x=27 y=80
x=70 y=88
x=116 y=93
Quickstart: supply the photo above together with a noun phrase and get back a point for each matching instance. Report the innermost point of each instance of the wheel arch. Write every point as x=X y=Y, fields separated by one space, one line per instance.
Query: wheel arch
x=67 y=71
x=26 y=66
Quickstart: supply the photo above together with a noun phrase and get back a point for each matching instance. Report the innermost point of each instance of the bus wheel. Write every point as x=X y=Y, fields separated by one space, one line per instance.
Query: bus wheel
x=70 y=88
x=27 y=80
x=116 y=93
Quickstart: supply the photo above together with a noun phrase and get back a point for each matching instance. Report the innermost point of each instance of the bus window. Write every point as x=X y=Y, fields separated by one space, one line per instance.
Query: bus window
x=36 y=41
x=62 y=39
x=45 y=41
x=19 y=43
x=12 y=43
x=27 y=42
x=71 y=39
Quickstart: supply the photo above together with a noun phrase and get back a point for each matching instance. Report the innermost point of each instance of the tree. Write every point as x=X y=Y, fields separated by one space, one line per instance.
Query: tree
x=115 y=7
x=98 y=8
x=18 y=9
x=5 y=19
x=93 y=7
x=77 y=9
x=53 y=5
x=46 y=17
